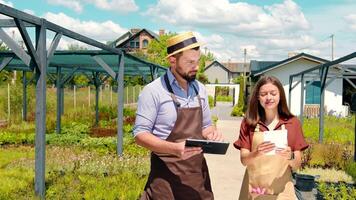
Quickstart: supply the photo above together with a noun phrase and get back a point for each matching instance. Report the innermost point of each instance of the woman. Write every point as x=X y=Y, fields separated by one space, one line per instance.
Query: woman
x=269 y=163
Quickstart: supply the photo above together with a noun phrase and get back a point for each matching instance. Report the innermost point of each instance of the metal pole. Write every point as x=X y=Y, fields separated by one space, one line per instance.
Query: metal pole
x=24 y=97
x=120 y=106
x=290 y=93
x=96 y=100
x=40 y=143
x=321 y=110
x=59 y=116
x=301 y=98
x=62 y=98
x=332 y=47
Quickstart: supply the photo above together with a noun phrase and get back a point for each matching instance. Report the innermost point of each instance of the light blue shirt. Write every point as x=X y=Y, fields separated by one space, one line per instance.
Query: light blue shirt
x=156 y=112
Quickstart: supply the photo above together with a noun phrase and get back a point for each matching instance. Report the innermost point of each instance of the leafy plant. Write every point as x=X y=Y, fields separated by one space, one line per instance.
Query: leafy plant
x=351 y=169
x=337 y=191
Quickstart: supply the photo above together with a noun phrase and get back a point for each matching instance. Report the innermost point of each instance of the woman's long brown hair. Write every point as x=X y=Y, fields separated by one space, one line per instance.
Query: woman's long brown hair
x=255 y=112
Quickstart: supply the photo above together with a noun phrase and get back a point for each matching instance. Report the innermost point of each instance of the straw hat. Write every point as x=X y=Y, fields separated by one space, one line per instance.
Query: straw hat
x=181 y=42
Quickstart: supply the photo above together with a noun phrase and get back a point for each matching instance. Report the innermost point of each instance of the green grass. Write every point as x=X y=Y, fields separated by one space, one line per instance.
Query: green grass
x=224 y=98
x=72 y=173
x=336 y=130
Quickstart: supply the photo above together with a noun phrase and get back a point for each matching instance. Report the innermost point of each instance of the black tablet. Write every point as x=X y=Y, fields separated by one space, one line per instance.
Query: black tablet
x=208 y=146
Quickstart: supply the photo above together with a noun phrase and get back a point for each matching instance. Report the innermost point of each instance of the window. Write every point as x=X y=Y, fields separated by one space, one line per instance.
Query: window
x=144 y=43
x=132 y=44
x=312 y=93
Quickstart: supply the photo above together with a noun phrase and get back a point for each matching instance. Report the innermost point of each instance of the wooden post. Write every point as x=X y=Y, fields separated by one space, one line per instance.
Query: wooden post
x=127 y=94
x=101 y=93
x=89 y=96
x=110 y=95
x=133 y=94
x=75 y=98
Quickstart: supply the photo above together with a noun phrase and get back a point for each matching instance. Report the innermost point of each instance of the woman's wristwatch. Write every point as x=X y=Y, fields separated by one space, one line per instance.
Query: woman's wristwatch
x=291 y=156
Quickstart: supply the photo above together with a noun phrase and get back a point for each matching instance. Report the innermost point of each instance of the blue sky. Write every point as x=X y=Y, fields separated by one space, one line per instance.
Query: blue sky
x=268 y=29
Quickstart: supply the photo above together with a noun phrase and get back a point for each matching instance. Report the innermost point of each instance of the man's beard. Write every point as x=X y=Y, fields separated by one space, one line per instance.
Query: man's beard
x=189 y=78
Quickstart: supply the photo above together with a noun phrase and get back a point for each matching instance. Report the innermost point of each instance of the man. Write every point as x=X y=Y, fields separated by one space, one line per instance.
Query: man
x=171 y=109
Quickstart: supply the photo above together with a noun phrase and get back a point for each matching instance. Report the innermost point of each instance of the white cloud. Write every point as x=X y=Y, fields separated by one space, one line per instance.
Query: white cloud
x=351 y=19
x=238 y=18
x=8 y=3
x=103 y=31
x=28 y=11
x=289 y=42
x=71 y=4
x=122 y=6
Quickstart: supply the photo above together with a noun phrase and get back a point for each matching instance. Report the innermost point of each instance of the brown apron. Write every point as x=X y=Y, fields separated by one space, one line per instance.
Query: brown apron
x=172 y=177
x=271 y=172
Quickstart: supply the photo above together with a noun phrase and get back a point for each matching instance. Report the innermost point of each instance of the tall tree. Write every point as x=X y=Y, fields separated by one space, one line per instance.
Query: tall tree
x=204 y=58
x=157 y=50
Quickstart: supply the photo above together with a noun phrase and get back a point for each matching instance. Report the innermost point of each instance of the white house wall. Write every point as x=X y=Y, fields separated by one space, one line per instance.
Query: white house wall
x=333 y=94
x=216 y=72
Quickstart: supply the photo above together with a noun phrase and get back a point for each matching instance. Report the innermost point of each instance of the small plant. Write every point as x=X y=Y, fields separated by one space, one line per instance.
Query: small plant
x=351 y=169
x=211 y=101
x=337 y=191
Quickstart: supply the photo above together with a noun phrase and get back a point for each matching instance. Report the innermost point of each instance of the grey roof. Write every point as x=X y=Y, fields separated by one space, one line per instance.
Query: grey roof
x=259 y=68
x=232 y=67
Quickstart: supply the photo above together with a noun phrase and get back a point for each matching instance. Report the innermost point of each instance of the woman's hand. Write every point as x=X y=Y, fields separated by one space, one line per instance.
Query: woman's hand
x=286 y=152
x=265 y=147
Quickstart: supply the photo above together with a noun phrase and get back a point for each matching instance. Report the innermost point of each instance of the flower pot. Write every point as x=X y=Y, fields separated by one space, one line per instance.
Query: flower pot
x=304 y=182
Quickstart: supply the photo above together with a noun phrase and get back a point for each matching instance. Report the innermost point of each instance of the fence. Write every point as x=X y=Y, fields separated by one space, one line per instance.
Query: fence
x=73 y=98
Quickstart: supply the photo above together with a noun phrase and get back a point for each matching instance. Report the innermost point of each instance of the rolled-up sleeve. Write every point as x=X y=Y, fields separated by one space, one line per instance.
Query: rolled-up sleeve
x=244 y=140
x=146 y=113
x=206 y=110
x=296 y=137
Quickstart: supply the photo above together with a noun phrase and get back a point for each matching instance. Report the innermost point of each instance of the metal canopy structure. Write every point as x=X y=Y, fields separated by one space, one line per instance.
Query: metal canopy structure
x=63 y=65
x=326 y=77
x=46 y=62
x=85 y=61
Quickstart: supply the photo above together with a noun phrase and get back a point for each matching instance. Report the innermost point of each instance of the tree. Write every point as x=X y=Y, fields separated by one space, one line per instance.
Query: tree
x=204 y=58
x=76 y=47
x=157 y=50
x=240 y=108
x=80 y=79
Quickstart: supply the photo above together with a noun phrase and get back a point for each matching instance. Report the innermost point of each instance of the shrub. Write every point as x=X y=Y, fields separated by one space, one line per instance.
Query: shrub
x=211 y=101
x=351 y=169
x=327 y=156
x=224 y=98
x=240 y=108
x=237 y=111
x=337 y=191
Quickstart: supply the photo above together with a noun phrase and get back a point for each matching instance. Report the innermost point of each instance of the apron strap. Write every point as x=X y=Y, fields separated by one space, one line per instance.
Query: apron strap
x=257 y=128
x=283 y=127
x=169 y=87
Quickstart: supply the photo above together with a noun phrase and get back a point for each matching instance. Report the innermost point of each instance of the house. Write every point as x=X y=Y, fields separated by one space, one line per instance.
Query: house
x=299 y=63
x=135 y=39
x=225 y=72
